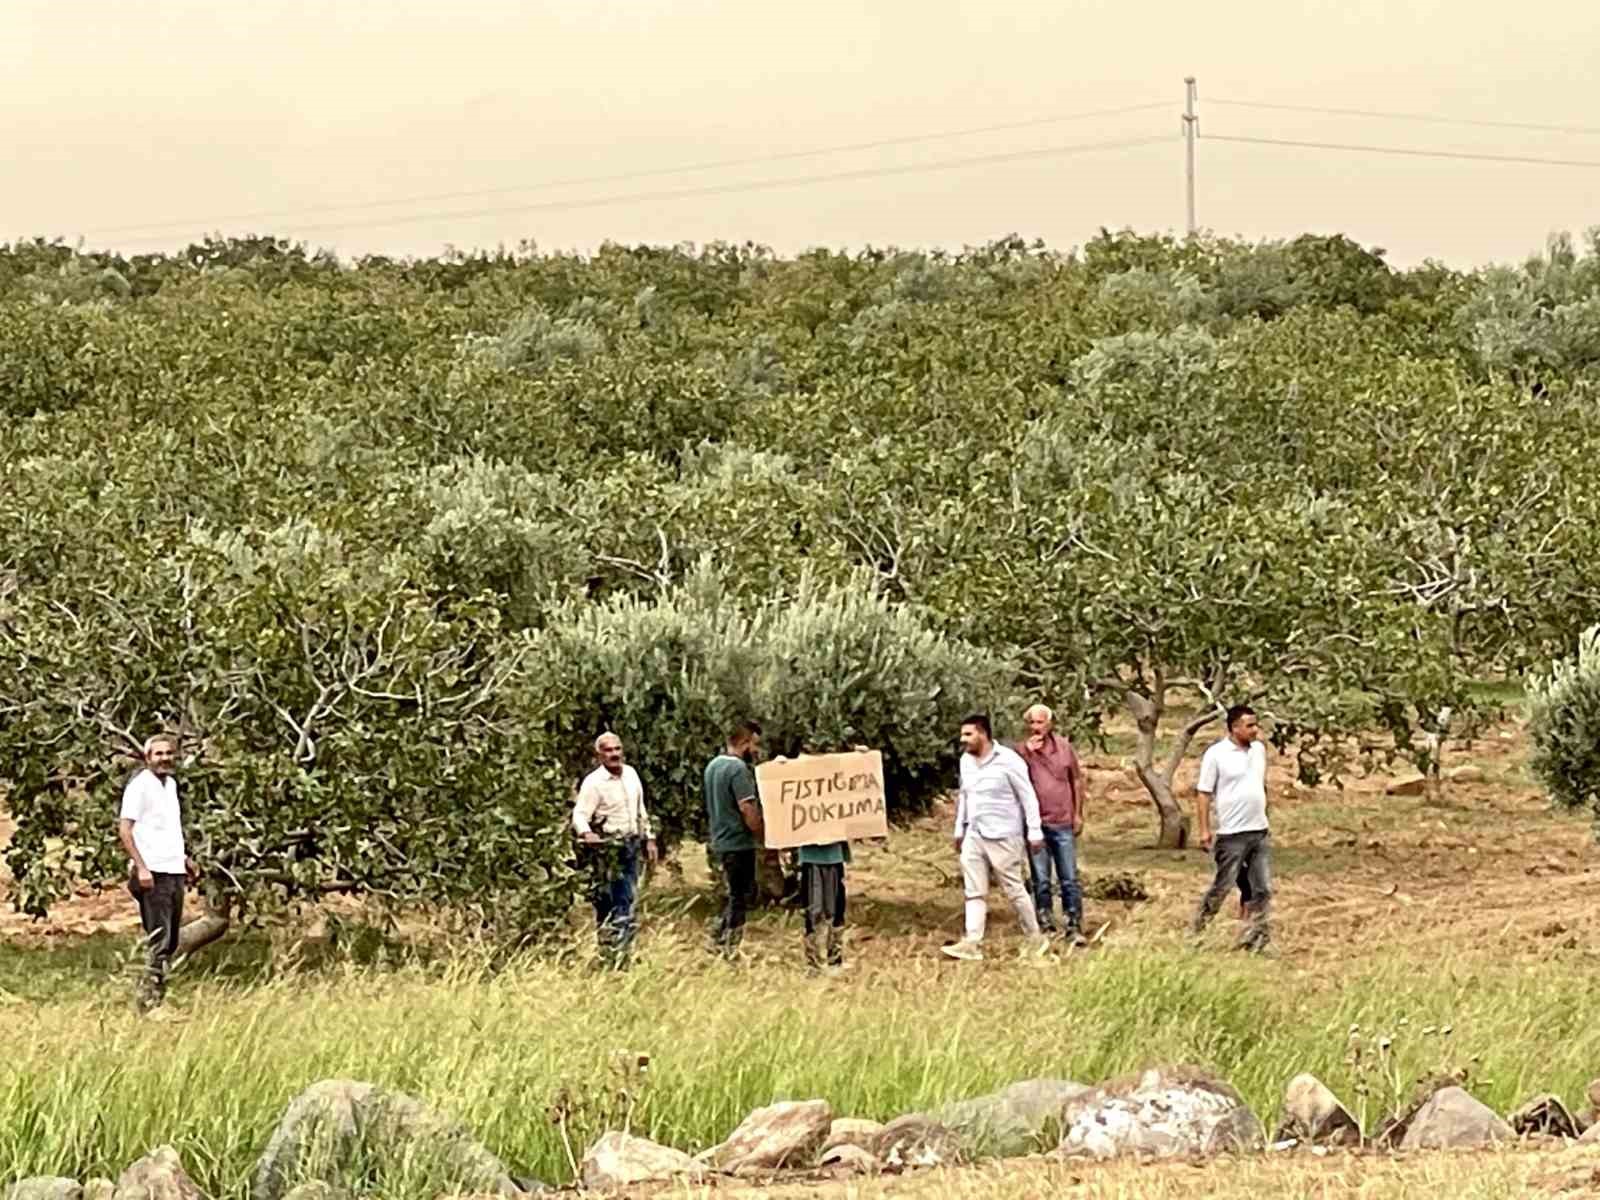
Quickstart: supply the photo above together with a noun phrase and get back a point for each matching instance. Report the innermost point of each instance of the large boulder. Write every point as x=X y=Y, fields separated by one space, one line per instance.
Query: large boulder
x=334 y=1124
x=45 y=1187
x=846 y=1159
x=1544 y=1116
x=1591 y=1136
x=1313 y=1114
x=851 y=1131
x=1452 y=1119
x=159 y=1175
x=918 y=1140
x=1160 y=1113
x=619 y=1160
x=1012 y=1121
x=785 y=1134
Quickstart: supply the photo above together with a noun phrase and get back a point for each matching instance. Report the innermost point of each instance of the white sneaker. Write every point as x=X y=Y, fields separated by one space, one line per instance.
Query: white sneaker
x=966 y=950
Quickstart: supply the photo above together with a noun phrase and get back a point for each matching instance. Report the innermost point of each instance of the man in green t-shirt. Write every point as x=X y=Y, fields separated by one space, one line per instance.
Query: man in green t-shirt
x=734 y=817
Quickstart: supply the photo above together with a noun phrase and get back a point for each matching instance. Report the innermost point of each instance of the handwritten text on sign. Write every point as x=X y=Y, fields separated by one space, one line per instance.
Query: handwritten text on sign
x=821 y=798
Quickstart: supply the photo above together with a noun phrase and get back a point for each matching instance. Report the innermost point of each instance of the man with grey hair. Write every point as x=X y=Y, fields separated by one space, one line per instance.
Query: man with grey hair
x=1057 y=778
x=150 y=826
x=614 y=832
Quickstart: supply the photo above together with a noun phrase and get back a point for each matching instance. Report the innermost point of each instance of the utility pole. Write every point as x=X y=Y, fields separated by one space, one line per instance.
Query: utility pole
x=1191 y=131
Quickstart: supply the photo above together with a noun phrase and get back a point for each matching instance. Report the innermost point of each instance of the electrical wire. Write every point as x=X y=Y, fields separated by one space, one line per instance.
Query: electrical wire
x=1405 y=151
x=714 y=165
x=722 y=188
x=1429 y=118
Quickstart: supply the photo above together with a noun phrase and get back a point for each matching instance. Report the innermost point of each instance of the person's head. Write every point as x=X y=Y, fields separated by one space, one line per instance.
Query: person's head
x=1242 y=724
x=1039 y=720
x=976 y=734
x=161 y=753
x=745 y=740
x=608 y=749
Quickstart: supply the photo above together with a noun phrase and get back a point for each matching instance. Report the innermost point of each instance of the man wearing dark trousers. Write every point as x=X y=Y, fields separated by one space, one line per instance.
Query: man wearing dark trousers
x=734 y=816
x=151 y=829
x=1231 y=815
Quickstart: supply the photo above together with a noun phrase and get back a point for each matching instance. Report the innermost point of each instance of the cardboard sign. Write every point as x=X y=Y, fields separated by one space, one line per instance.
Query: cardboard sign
x=820 y=798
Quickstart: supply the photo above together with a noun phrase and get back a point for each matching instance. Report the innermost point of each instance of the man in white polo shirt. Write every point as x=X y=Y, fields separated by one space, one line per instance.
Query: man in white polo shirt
x=151 y=829
x=997 y=826
x=613 y=826
x=1231 y=816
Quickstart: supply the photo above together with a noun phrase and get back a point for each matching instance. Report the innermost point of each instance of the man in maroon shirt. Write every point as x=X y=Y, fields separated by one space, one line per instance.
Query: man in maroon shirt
x=1057 y=778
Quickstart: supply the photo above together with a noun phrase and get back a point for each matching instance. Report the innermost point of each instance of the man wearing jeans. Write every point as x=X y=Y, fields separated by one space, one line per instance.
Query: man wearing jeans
x=1057 y=779
x=733 y=814
x=997 y=825
x=151 y=830
x=1233 y=791
x=614 y=829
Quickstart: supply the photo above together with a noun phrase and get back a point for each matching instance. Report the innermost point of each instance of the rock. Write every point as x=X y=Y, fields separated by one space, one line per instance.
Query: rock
x=849 y=1160
x=1313 y=1114
x=1592 y=1093
x=783 y=1134
x=1012 y=1121
x=332 y=1124
x=45 y=1187
x=1591 y=1136
x=619 y=1160
x=1408 y=785
x=1452 y=1119
x=849 y=1131
x=1544 y=1115
x=99 y=1189
x=1467 y=774
x=317 y=1190
x=157 y=1176
x=918 y=1140
x=1161 y=1113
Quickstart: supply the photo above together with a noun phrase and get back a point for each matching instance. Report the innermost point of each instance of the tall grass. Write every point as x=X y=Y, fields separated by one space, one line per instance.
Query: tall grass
x=85 y=1089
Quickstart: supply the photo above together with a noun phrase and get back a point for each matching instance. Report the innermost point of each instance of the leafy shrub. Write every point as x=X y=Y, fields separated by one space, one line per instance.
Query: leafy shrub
x=823 y=668
x=1564 y=706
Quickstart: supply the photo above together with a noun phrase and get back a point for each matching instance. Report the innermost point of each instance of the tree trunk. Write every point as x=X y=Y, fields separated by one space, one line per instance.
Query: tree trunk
x=1174 y=821
x=203 y=930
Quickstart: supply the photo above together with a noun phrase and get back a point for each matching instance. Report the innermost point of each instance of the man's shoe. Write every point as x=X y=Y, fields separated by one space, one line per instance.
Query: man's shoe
x=1074 y=936
x=965 y=950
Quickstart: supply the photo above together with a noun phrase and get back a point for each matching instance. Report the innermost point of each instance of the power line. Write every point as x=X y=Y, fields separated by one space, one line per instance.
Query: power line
x=715 y=165
x=1406 y=151
x=725 y=188
x=1379 y=114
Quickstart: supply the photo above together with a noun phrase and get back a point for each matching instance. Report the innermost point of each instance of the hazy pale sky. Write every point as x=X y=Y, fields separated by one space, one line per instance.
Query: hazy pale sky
x=142 y=123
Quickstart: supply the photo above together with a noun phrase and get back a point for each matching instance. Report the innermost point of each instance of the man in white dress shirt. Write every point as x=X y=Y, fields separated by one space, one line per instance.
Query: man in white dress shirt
x=997 y=825
x=1231 y=816
x=151 y=830
x=614 y=830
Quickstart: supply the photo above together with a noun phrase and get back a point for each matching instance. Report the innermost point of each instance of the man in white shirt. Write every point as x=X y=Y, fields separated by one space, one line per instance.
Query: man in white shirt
x=613 y=829
x=151 y=829
x=1231 y=818
x=997 y=825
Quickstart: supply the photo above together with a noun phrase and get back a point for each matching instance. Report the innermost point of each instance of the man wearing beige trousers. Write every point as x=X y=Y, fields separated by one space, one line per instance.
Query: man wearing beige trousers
x=997 y=825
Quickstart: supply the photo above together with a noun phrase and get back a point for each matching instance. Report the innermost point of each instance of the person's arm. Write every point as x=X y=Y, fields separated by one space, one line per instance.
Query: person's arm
x=1080 y=793
x=645 y=828
x=125 y=831
x=132 y=810
x=1205 y=789
x=961 y=806
x=749 y=807
x=583 y=813
x=1022 y=788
